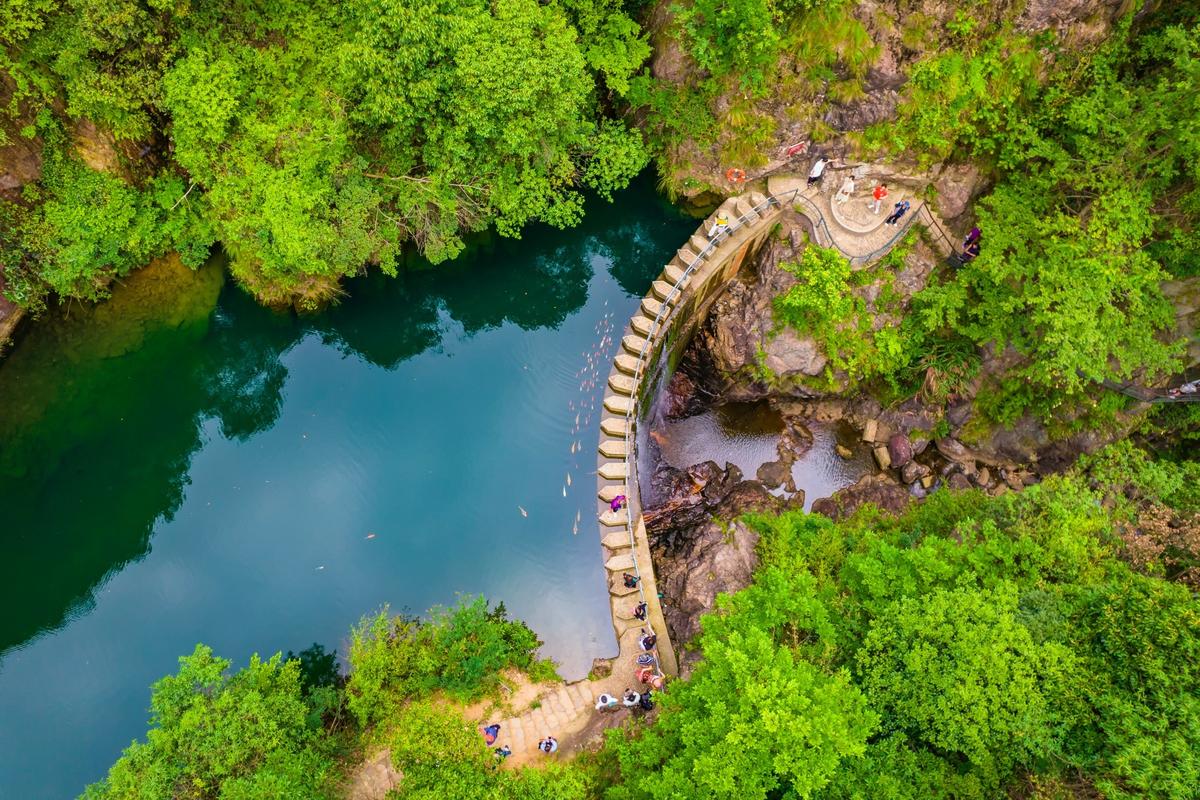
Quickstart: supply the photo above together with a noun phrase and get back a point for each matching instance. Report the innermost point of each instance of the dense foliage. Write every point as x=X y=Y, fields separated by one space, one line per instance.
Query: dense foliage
x=275 y=728
x=459 y=650
x=234 y=736
x=1095 y=205
x=963 y=650
x=309 y=140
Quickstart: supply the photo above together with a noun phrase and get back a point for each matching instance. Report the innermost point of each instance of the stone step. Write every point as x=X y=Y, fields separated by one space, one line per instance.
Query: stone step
x=633 y=344
x=757 y=198
x=652 y=307
x=617 y=587
x=617 y=540
x=583 y=694
x=728 y=207
x=612 y=448
x=662 y=290
x=698 y=243
x=745 y=209
x=612 y=519
x=620 y=563
x=621 y=384
x=672 y=274
x=614 y=471
x=625 y=611
x=626 y=363
x=613 y=426
x=642 y=324
x=609 y=493
x=618 y=404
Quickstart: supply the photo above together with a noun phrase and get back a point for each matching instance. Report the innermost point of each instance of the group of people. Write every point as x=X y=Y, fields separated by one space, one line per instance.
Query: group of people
x=629 y=699
x=492 y=732
x=971 y=244
x=844 y=192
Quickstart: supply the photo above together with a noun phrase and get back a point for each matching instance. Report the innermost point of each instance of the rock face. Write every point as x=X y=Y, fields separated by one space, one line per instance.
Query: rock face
x=696 y=557
x=679 y=500
x=740 y=331
x=880 y=490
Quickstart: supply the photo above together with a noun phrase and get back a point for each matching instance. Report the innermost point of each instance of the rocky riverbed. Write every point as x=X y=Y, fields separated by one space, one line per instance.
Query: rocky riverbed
x=789 y=408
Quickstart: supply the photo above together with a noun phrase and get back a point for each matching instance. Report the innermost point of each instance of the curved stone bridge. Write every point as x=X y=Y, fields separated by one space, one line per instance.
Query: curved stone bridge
x=676 y=304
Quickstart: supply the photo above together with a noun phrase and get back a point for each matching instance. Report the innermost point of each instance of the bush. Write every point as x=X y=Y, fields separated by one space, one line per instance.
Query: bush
x=459 y=650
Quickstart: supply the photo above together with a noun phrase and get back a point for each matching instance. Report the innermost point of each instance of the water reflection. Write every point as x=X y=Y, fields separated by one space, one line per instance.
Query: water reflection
x=181 y=406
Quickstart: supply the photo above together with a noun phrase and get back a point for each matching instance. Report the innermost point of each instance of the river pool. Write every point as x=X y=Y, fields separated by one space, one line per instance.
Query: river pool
x=179 y=465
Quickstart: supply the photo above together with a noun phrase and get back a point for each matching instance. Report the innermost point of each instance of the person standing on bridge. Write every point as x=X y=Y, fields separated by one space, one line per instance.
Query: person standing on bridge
x=818 y=170
x=899 y=211
x=877 y=195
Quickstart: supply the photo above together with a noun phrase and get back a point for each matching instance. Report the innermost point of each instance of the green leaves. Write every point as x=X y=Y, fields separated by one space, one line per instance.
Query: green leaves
x=956 y=670
x=460 y=650
x=317 y=140
x=235 y=736
x=753 y=720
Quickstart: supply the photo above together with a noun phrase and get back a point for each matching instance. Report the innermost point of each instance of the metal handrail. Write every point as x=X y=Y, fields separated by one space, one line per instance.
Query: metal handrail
x=940 y=229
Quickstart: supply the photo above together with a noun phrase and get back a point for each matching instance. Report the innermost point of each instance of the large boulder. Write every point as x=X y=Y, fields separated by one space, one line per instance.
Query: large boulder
x=880 y=490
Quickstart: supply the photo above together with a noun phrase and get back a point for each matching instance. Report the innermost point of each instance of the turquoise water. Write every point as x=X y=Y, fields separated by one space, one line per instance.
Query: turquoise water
x=182 y=466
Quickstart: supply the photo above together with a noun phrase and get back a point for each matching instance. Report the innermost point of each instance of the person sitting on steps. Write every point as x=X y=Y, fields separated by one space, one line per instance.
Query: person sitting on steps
x=630 y=698
x=719 y=225
x=899 y=211
x=647 y=640
x=631 y=581
x=548 y=745
x=605 y=702
x=639 y=611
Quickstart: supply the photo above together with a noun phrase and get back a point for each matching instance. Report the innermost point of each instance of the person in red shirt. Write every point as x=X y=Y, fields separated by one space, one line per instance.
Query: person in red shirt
x=879 y=193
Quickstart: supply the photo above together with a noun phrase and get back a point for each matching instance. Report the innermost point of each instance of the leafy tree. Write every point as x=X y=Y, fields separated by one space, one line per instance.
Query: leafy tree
x=460 y=650
x=754 y=720
x=956 y=670
x=217 y=735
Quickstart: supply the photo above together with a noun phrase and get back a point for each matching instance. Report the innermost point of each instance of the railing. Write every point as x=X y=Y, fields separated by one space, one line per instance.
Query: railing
x=1147 y=395
x=932 y=222
x=820 y=224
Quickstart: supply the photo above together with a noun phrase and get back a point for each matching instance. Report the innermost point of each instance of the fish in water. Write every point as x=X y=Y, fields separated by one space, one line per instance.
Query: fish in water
x=370 y=536
x=524 y=513
x=568 y=479
x=564 y=491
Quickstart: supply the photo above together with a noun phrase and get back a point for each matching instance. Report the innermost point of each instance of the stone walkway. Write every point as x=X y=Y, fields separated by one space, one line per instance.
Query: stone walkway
x=837 y=228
